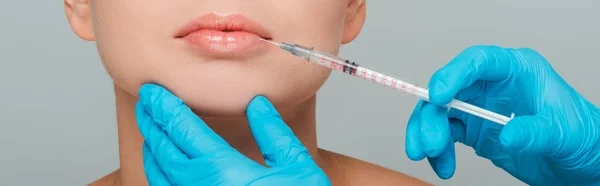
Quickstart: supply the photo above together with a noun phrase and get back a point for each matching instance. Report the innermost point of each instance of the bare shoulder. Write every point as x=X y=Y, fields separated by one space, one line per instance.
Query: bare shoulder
x=348 y=171
x=111 y=179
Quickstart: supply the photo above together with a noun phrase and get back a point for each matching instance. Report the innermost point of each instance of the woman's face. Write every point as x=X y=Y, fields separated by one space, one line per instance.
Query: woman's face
x=209 y=52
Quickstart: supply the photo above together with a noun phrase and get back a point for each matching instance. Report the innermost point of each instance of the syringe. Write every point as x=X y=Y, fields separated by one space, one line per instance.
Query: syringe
x=354 y=69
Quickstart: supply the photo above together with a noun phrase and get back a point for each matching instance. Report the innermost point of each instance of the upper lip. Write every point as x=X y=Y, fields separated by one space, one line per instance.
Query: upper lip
x=232 y=22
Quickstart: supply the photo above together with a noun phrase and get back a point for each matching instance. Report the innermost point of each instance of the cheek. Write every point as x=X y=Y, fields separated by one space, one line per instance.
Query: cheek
x=314 y=23
x=128 y=40
x=298 y=81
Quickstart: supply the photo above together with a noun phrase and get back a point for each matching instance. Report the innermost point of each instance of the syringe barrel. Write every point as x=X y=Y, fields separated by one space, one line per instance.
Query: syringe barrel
x=354 y=69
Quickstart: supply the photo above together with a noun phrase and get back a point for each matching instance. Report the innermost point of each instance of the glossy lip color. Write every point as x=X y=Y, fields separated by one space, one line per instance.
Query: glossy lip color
x=224 y=35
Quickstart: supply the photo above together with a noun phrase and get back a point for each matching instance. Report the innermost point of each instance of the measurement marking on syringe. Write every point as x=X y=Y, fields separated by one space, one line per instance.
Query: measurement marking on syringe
x=323 y=60
x=350 y=67
x=414 y=89
x=394 y=83
x=374 y=77
x=383 y=79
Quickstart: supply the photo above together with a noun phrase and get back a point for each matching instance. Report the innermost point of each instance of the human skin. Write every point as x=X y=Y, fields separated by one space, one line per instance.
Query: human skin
x=136 y=44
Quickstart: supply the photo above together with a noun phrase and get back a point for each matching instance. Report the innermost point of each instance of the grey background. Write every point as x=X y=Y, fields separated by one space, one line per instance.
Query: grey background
x=57 y=107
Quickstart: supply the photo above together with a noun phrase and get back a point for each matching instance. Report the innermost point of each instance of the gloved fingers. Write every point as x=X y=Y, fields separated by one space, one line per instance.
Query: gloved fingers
x=530 y=55
x=488 y=63
x=156 y=140
x=167 y=156
x=472 y=94
x=457 y=114
x=444 y=165
x=275 y=139
x=183 y=127
x=435 y=129
x=458 y=130
x=531 y=135
x=154 y=174
x=413 y=147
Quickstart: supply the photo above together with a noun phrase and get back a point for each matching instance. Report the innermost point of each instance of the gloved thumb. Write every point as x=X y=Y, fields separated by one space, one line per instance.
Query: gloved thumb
x=530 y=135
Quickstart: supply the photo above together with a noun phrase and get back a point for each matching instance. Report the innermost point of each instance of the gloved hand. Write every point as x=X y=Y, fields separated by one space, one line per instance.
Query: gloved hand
x=180 y=149
x=553 y=140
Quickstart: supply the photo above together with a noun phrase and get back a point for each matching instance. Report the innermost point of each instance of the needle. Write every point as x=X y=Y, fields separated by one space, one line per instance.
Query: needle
x=269 y=41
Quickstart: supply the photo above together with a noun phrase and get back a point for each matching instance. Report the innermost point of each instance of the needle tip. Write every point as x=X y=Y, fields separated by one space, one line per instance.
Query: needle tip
x=270 y=41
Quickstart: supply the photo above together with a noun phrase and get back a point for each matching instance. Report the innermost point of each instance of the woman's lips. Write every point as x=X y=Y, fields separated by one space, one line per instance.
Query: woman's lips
x=224 y=35
x=219 y=42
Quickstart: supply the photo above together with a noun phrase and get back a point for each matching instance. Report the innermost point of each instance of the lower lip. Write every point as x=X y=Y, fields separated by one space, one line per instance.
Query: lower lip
x=219 y=42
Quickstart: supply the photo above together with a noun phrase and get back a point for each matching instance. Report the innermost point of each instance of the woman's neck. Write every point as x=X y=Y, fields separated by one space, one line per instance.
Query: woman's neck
x=235 y=131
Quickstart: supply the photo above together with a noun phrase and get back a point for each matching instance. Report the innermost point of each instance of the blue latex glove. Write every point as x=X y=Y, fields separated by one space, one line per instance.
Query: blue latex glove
x=180 y=149
x=554 y=139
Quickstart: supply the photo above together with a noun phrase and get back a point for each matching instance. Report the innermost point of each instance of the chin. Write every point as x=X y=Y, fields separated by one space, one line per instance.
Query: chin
x=218 y=105
x=230 y=104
